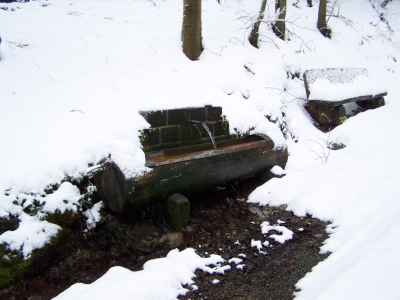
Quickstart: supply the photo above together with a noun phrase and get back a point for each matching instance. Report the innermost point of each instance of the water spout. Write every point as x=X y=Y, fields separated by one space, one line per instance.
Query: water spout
x=209 y=133
x=207 y=129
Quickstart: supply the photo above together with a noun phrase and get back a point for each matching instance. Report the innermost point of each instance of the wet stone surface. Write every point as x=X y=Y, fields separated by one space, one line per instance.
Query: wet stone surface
x=221 y=222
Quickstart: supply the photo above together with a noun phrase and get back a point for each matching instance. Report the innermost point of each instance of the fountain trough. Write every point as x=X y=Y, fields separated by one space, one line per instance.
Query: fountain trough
x=188 y=169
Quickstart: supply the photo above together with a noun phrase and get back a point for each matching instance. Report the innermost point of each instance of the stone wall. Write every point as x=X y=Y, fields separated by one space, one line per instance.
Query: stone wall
x=173 y=128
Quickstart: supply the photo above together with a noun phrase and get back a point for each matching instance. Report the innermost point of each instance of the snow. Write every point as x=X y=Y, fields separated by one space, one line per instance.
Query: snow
x=31 y=234
x=257 y=244
x=240 y=266
x=194 y=287
x=278 y=171
x=235 y=260
x=93 y=215
x=75 y=74
x=66 y=197
x=324 y=89
x=161 y=278
x=286 y=234
x=335 y=76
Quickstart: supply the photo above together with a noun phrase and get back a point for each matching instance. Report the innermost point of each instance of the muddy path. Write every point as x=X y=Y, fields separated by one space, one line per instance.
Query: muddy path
x=221 y=222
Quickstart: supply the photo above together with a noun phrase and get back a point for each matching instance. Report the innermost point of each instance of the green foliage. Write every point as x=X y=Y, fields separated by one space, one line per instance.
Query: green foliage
x=144 y=140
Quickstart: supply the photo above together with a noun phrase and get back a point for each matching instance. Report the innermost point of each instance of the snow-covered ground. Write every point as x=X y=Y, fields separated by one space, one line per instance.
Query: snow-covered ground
x=74 y=75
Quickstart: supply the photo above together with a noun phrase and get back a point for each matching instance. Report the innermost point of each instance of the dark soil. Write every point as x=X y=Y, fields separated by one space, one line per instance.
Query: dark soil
x=219 y=219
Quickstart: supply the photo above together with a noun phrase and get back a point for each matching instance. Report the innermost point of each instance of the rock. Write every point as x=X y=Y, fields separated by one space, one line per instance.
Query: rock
x=177 y=209
x=172 y=240
x=143 y=237
x=336 y=146
x=14 y=268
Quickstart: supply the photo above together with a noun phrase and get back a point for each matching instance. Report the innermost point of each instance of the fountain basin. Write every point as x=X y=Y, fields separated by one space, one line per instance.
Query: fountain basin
x=187 y=170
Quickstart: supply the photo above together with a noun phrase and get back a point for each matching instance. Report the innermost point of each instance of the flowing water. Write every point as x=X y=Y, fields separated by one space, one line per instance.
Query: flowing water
x=209 y=133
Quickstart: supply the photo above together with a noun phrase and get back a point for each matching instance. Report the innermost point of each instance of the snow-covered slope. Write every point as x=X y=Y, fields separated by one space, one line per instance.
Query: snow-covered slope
x=74 y=74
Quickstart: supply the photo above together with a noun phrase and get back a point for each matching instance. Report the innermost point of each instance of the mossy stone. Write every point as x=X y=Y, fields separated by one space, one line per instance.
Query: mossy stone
x=177 y=208
x=14 y=268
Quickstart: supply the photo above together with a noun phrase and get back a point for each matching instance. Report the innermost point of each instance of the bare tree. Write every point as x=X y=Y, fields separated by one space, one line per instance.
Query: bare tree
x=191 y=29
x=279 y=27
x=253 y=38
x=322 y=25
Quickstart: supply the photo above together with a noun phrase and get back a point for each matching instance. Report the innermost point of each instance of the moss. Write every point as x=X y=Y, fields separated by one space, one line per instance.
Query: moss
x=190 y=134
x=68 y=219
x=14 y=268
x=225 y=126
x=177 y=210
x=9 y=223
x=342 y=119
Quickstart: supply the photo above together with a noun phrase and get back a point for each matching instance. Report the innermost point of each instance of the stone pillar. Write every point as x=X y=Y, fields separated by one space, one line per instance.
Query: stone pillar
x=372 y=104
x=177 y=209
x=327 y=115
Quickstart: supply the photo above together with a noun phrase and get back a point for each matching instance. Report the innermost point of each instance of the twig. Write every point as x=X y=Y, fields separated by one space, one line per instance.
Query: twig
x=35 y=64
x=286 y=93
x=11 y=49
x=220 y=52
x=323 y=156
x=157 y=38
x=153 y=49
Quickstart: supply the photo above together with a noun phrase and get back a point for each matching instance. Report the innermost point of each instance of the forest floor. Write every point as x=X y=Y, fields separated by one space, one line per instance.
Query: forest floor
x=221 y=222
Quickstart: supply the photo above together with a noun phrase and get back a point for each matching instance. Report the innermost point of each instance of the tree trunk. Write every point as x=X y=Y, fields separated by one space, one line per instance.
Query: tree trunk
x=191 y=29
x=253 y=38
x=280 y=26
x=322 y=26
x=385 y=2
x=309 y=2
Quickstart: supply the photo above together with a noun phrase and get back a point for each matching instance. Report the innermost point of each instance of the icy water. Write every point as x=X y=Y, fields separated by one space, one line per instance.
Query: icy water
x=209 y=133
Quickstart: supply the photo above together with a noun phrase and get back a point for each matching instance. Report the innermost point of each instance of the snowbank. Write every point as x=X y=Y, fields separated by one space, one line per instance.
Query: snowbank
x=160 y=279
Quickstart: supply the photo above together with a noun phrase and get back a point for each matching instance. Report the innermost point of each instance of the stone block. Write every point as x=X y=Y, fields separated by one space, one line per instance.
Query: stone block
x=155 y=118
x=213 y=113
x=204 y=132
x=372 y=104
x=191 y=134
x=177 y=117
x=221 y=128
x=177 y=209
x=170 y=134
x=327 y=115
x=197 y=114
x=153 y=136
